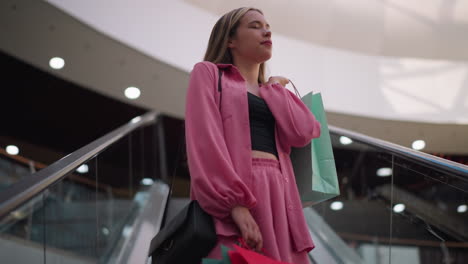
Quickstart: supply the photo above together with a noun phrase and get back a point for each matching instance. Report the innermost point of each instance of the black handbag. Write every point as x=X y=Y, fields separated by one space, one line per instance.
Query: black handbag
x=189 y=237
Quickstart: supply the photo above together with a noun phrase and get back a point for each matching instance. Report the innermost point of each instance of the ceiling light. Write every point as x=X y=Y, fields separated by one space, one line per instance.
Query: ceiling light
x=418 y=144
x=336 y=205
x=83 y=169
x=57 y=63
x=147 y=181
x=398 y=208
x=462 y=208
x=345 y=140
x=384 y=172
x=132 y=93
x=12 y=150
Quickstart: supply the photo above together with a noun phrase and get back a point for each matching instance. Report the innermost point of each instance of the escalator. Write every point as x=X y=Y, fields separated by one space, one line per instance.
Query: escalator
x=88 y=207
x=104 y=203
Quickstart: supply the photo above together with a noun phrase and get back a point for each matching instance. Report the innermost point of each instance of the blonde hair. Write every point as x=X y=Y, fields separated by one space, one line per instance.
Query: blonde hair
x=226 y=27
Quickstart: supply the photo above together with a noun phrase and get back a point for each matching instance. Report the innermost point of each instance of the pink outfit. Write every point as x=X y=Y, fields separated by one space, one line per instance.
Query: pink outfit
x=223 y=172
x=277 y=243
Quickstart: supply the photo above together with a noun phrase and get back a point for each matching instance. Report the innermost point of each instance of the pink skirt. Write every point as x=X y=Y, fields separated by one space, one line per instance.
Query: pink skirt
x=270 y=215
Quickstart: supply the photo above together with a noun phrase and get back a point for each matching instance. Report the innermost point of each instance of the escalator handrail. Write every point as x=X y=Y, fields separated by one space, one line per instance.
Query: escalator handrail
x=442 y=165
x=22 y=191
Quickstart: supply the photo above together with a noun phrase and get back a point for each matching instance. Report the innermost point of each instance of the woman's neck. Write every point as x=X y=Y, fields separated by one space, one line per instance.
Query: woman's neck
x=249 y=71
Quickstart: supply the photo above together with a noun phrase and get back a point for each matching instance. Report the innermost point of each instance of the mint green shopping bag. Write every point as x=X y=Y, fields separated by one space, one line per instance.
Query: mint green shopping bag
x=314 y=164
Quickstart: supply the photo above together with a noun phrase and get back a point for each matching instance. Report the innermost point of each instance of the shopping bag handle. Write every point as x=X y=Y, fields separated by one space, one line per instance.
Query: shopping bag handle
x=295 y=90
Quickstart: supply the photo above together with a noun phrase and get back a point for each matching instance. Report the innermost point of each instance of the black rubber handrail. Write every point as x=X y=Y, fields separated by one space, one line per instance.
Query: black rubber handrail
x=442 y=165
x=22 y=191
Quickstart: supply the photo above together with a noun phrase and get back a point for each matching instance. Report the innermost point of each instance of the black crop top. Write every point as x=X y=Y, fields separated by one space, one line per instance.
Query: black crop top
x=262 y=125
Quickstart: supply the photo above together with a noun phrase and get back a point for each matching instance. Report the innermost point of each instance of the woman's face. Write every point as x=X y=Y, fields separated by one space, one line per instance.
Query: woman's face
x=252 y=40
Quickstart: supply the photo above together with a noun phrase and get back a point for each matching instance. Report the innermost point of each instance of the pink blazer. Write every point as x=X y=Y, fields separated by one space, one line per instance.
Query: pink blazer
x=219 y=145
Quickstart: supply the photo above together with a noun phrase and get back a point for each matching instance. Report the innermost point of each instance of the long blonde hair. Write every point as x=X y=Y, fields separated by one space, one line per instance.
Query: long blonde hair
x=226 y=27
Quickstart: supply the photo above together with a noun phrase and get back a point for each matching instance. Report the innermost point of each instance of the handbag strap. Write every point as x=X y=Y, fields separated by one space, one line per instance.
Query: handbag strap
x=220 y=73
x=220 y=88
x=182 y=137
x=177 y=159
x=171 y=183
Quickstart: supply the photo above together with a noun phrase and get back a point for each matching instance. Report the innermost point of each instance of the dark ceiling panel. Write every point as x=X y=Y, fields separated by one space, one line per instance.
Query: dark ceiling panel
x=44 y=110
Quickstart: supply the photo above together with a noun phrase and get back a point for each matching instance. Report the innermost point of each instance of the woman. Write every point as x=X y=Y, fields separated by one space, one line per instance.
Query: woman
x=239 y=133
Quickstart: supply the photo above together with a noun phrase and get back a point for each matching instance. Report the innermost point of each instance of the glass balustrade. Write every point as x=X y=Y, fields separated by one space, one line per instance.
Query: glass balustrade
x=394 y=208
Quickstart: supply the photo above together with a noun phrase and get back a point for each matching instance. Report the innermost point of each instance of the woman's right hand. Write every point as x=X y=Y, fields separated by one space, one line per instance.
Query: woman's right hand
x=248 y=227
x=278 y=79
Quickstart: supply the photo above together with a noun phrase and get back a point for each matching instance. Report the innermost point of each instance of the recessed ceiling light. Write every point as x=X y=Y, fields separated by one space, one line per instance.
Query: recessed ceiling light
x=132 y=93
x=83 y=169
x=345 y=140
x=398 y=208
x=12 y=150
x=418 y=144
x=384 y=172
x=57 y=63
x=462 y=208
x=336 y=205
x=147 y=181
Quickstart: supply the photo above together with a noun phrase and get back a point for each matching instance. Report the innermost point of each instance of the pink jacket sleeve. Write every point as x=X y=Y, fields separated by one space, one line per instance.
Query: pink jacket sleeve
x=297 y=125
x=214 y=182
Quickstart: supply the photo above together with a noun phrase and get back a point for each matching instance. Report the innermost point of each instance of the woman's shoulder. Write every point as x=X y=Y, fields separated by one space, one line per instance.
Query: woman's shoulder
x=213 y=67
x=206 y=66
x=203 y=75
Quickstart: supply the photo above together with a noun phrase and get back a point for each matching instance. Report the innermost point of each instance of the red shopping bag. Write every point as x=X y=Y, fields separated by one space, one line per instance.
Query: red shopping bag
x=245 y=256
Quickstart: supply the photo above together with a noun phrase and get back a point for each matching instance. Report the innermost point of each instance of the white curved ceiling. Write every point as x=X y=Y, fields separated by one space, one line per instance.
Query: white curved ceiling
x=405 y=87
x=159 y=41
x=433 y=29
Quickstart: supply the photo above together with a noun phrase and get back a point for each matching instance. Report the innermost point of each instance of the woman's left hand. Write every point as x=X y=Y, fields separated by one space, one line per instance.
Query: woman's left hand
x=278 y=79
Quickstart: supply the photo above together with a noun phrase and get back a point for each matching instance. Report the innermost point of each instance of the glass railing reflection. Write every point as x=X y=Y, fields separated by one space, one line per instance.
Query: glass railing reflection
x=84 y=217
x=13 y=169
x=393 y=209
